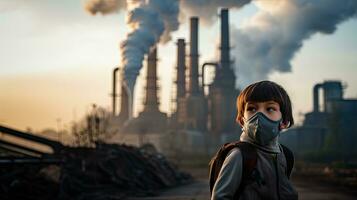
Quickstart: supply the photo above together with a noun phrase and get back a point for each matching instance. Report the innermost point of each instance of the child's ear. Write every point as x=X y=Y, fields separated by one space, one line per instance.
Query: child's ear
x=284 y=125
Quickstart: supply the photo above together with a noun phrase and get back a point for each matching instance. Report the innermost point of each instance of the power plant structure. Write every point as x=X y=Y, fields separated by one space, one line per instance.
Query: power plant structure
x=331 y=129
x=201 y=121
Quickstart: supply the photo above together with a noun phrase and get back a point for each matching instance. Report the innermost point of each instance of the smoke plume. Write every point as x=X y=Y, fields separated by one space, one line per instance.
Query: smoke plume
x=271 y=38
x=206 y=10
x=151 y=21
x=268 y=41
x=104 y=6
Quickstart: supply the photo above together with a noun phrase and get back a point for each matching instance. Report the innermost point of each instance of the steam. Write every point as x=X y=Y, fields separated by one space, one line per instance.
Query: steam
x=271 y=38
x=268 y=41
x=151 y=21
x=265 y=43
x=206 y=10
x=104 y=6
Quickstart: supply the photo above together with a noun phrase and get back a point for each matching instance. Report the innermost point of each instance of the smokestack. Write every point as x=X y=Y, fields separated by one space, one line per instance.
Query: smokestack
x=193 y=81
x=151 y=101
x=124 y=104
x=181 y=68
x=225 y=57
x=316 y=97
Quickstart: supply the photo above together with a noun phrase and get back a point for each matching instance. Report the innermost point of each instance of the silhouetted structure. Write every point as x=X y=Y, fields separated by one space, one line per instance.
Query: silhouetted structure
x=333 y=129
x=201 y=121
x=151 y=119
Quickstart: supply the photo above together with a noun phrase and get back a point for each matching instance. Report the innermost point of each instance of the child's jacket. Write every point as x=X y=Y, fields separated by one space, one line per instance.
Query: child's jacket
x=267 y=181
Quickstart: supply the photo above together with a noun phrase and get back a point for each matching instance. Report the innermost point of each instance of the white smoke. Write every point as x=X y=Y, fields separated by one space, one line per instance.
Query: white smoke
x=271 y=38
x=151 y=21
x=207 y=10
x=268 y=41
x=265 y=43
x=104 y=6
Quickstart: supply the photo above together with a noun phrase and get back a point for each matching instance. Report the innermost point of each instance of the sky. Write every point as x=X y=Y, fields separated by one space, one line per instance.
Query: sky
x=56 y=60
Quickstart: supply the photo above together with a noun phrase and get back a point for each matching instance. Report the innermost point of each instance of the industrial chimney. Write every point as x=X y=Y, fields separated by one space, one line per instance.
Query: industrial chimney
x=194 y=112
x=179 y=117
x=150 y=120
x=222 y=92
x=225 y=57
x=151 y=102
x=193 y=87
x=124 y=106
x=181 y=68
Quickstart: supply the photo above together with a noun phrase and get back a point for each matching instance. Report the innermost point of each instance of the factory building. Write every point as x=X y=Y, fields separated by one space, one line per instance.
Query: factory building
x=332 y=128
x=201 y=121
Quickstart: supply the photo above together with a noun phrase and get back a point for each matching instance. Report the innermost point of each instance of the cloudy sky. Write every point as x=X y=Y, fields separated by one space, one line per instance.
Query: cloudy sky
x=56 y=59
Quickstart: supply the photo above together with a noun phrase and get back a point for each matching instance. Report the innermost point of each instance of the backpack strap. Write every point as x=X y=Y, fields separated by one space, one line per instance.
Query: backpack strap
x=249 y=158
x=289 y=156
x=249 y=162
x=216 y=162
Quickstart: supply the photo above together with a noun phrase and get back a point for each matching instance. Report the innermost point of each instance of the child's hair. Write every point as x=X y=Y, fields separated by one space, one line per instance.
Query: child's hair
x=266 y=91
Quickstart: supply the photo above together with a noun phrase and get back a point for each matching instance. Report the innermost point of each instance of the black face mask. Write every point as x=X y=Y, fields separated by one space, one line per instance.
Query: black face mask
x=262 y=129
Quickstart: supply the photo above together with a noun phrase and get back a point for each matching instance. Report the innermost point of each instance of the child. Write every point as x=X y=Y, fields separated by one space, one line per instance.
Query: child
x=264 y=109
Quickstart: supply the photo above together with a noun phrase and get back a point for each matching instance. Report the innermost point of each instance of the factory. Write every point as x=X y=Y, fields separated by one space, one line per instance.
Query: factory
x=330 y=129
x=201 y=121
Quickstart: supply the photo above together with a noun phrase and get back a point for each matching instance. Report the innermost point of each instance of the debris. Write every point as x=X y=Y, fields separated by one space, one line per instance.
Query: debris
x=109 y=171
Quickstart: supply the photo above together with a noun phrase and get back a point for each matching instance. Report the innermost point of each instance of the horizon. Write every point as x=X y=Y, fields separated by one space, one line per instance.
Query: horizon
x=57 y=60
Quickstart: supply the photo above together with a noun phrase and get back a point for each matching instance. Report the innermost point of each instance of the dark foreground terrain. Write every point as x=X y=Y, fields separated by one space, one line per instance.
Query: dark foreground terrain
x=307 y=189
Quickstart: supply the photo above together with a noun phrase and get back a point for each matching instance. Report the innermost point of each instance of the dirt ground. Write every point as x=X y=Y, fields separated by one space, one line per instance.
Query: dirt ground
x=199 y=190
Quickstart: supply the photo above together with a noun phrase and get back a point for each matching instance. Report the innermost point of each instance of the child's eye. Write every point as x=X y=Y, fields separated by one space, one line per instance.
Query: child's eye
x=271 y=109
x=251 y=109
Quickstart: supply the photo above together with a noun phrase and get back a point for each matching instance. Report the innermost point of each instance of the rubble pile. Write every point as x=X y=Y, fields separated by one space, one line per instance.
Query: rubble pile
x=109 y=171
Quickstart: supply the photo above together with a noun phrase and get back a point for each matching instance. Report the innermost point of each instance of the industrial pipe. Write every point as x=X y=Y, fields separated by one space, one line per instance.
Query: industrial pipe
x=316 y=97
x=216 y=65
x=56 y=146
x=114 y=89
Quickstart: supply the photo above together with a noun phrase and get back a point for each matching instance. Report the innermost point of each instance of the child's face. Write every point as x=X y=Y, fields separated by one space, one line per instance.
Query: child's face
x=271 y=109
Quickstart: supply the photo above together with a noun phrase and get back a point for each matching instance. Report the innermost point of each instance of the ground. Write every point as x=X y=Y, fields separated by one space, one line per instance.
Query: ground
x=308 y=190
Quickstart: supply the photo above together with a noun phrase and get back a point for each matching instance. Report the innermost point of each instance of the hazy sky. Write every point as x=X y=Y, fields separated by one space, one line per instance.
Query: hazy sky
x=56 y=60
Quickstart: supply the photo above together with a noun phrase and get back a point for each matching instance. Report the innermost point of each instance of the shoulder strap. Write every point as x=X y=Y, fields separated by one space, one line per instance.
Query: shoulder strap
x=249 y=159
x=216 y=162
x=249 y=155
x=289 y=160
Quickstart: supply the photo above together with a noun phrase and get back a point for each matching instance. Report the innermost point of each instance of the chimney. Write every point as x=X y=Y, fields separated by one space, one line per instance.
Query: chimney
x=193 y=81
x=151 y=101
x=181 y=68
x=225 y=57
x=124 y=104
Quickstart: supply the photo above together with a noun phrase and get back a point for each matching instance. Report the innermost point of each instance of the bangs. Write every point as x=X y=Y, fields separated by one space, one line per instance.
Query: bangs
x=263 y=91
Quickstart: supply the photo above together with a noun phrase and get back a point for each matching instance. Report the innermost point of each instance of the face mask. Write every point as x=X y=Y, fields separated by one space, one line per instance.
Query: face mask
x=262 y=129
